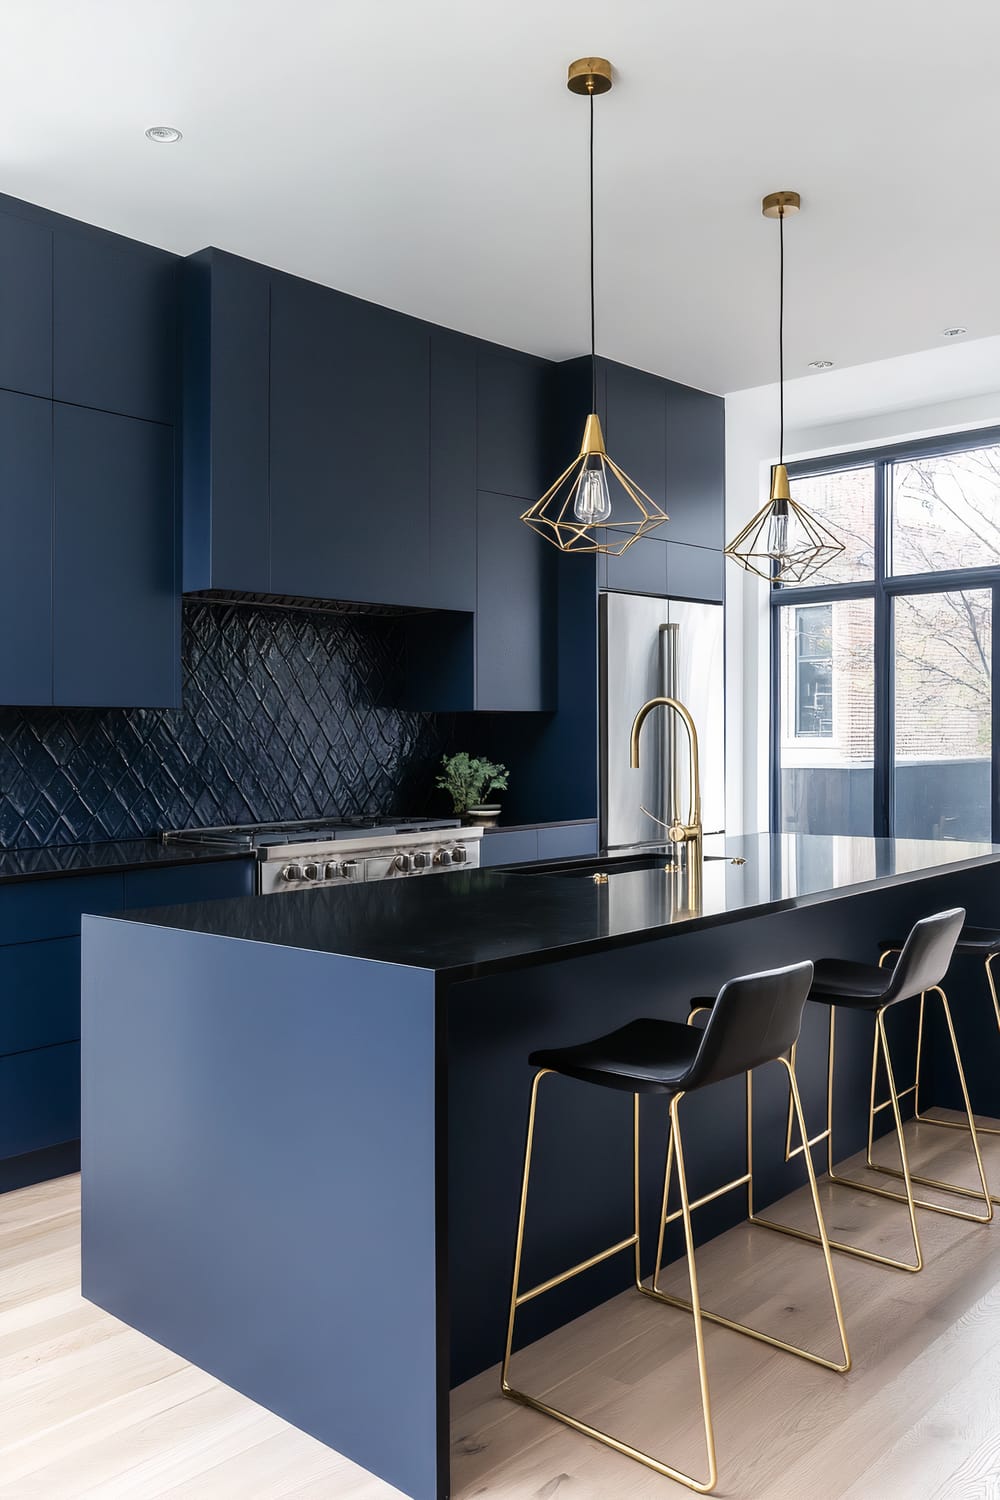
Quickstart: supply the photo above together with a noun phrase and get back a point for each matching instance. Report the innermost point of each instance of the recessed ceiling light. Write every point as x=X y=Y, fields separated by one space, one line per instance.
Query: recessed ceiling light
x=163 y=135
x=953 y=333
x=821 y=364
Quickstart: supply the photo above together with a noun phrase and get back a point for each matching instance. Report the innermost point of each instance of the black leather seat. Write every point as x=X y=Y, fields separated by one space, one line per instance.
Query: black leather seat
x=923 y=962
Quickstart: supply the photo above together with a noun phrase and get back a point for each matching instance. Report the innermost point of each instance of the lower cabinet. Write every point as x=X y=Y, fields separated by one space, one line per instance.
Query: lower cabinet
x=518 y=846
x=40 y=985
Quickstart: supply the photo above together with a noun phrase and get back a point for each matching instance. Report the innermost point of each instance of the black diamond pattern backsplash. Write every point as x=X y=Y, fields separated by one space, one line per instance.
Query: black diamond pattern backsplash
x=282 y=718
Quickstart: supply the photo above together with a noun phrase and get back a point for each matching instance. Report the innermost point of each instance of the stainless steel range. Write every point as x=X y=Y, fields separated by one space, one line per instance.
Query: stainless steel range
x=342 y=851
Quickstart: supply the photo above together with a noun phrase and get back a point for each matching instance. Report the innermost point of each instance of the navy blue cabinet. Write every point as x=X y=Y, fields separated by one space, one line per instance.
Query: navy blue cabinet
x=452 y=581
x=696 y=466
x=349 y=448
x=26 y=528
x=114 y=324
x=226 y=359
x=513 y=429
x=695 y=572
x=641 y=569
x=25 y=305
x=636 y=432
x=40 y=984
x=516 y=610
x=116 y=605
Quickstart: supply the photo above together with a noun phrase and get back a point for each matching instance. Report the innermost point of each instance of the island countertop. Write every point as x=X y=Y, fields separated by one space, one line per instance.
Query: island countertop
x=476 y=922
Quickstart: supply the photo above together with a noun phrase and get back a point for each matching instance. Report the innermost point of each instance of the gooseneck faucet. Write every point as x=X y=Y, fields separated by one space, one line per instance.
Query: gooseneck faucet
x=689 y=833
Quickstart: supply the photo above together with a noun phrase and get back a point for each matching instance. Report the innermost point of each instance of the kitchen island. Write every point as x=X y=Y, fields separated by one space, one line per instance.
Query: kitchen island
x=303 y=1115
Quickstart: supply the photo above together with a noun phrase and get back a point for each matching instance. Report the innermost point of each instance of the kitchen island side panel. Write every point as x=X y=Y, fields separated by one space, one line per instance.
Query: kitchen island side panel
x=259 y=1179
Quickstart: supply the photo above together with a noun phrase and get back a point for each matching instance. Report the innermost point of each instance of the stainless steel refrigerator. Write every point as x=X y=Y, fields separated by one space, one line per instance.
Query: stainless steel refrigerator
x=650 y=648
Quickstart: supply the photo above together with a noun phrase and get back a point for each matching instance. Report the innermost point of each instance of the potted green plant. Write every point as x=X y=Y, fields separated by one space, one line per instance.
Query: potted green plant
x=468 y=780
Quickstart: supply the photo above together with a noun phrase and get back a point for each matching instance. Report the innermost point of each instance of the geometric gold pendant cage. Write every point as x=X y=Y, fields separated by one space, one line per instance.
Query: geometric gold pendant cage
x=805 y=544
x=631 y=511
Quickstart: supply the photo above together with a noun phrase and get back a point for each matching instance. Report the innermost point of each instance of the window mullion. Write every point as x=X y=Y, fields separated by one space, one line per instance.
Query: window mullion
x=883 y=664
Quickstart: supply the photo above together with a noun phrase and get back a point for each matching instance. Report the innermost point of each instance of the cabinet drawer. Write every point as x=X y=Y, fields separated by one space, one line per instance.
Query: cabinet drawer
x=39 y=1099
x=39 y=994
x=52 y=908
x=182 y=883
x=564 y=843
x=509 y=848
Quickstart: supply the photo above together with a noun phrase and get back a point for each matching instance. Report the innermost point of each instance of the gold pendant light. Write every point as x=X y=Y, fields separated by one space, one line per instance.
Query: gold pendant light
x=783 y=543
x=593 y=495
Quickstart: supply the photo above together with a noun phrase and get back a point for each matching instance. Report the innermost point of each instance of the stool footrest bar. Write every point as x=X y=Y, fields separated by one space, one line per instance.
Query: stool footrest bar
x=584 y=1265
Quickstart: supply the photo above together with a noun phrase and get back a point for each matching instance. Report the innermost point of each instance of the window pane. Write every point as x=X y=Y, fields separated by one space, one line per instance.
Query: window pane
x=827 y=718
x=945 y=512
x=845 y=502
x=943 y=645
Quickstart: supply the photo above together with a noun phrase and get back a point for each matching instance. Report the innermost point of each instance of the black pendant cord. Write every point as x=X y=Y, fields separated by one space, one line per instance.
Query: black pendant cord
x=781 y=335
x=593 y=314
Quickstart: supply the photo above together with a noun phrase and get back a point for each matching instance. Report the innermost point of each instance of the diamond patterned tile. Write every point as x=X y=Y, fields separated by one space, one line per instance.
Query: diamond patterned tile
x=282 y=718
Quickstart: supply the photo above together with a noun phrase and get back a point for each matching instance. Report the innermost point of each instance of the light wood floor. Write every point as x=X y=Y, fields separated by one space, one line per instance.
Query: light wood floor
x=91 y=1408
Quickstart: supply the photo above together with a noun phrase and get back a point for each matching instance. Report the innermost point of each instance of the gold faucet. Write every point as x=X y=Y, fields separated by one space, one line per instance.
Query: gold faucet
x=689 y=833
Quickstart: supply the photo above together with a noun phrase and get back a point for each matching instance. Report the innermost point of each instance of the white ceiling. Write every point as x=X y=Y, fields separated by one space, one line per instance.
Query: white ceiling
x=428 y=156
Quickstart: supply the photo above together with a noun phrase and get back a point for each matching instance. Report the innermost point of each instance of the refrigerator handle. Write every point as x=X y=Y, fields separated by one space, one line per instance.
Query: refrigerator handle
x=669 y=758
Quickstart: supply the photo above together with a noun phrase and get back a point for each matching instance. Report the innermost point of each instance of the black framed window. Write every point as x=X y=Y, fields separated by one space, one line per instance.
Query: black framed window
x=883 y=692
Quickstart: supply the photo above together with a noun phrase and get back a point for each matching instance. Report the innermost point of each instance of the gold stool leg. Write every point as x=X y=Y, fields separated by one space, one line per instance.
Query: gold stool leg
x=518 y=1298
x=840 y=1366
x=982 y=1195
x=827 y=1135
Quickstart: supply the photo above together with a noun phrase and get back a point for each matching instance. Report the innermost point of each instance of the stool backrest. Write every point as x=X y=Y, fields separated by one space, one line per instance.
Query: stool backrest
x=753 y=1021
x=926 y=955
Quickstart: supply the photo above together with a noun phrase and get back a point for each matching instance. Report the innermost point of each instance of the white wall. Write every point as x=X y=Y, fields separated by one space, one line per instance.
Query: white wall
x=863 y=411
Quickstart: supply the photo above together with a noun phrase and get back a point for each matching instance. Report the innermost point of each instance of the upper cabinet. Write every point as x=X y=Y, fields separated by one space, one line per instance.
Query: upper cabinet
x=25 y=306
x=636 y=432
x=88 y=375
x=513 y=438
x=225 y=377
x=116 y=604
x=114 y=340
x=349 y=448
x=696 y=466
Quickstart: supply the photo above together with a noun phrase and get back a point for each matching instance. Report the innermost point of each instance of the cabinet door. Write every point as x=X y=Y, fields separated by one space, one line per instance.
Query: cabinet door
x=39 y=1099
x=116 y=609
x=179 y=884
x=349 y=448
x=26 y=527
x=696 y=466
x=641 y=569
x=39 y=994
x=453 y=473
x=695 y=572
x=114 y=324
x=515 y=622
x=226 y=311
x=25 y=306
x=637 y=429
x=512 y=399
x=518 y=847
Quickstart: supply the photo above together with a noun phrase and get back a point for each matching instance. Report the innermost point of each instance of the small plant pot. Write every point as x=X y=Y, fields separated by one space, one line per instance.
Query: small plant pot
x=484 y=816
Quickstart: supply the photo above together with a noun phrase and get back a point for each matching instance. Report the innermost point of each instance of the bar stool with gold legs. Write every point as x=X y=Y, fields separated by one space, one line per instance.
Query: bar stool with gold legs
x=754 y=1020
x=973 y=942
x=922 y=964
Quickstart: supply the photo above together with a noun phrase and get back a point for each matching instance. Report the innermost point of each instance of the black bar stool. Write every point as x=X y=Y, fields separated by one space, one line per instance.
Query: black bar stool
x=754 y=1020
x=922 y=964
x=973 y=942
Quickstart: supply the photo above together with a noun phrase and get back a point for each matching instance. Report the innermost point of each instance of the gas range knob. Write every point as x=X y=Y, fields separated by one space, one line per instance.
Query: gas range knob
x=443 y=857
x=333 y=869
x=349 y=869
x=310 y=872
x=421 y=860
x=458 y=854
x=405 y=863
x=292 y=872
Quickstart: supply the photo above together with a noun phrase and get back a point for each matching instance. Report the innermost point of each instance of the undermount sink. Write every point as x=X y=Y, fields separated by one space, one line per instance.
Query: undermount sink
x=607 y=864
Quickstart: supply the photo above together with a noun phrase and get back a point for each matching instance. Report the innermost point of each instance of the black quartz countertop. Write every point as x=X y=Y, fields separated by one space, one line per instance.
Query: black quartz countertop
x=56 y=860
x=475 y=922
